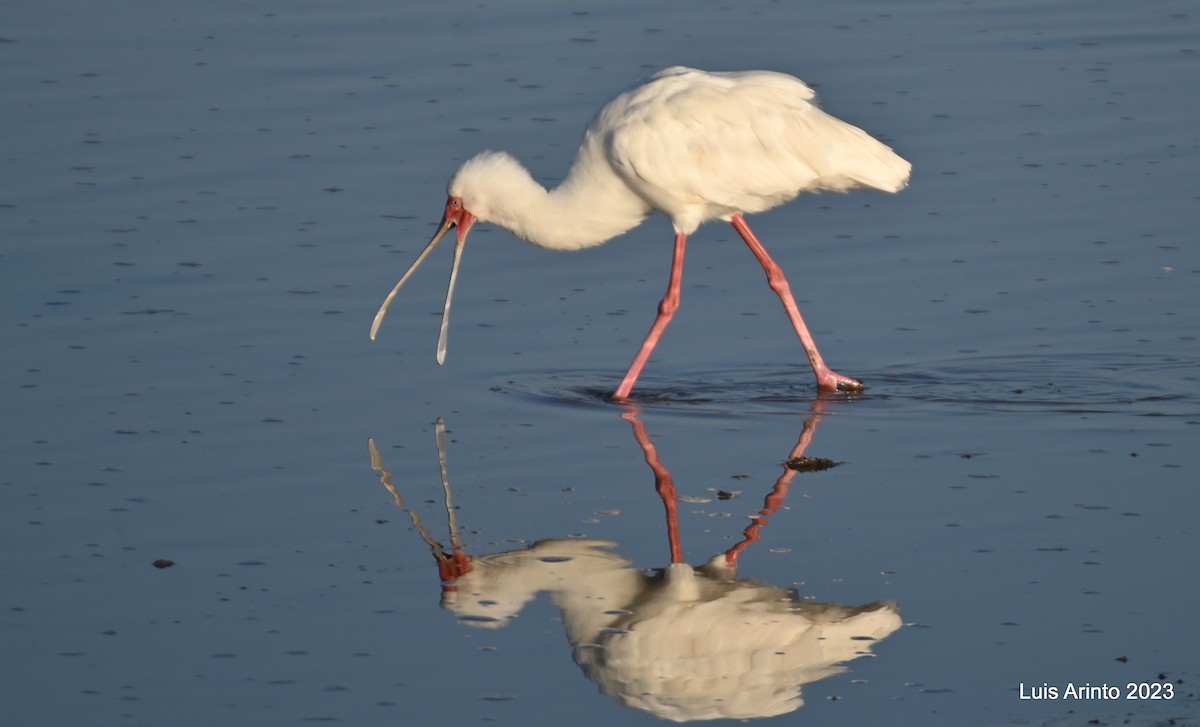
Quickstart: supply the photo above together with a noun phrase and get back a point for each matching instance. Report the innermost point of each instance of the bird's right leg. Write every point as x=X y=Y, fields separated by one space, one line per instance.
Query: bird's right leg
x=827 y=378
x=666 y=309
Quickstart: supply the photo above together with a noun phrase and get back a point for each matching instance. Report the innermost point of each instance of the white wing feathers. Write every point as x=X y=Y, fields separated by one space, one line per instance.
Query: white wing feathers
x=701 y=145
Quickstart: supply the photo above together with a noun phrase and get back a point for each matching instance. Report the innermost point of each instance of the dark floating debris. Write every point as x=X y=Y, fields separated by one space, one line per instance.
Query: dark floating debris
x=163 y=563
x=811 y=464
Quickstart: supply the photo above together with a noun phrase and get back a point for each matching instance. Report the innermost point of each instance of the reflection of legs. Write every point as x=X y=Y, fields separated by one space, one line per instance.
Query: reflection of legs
x=666 y=309
x=827 y=379
x=663 y=483
x=774 y=498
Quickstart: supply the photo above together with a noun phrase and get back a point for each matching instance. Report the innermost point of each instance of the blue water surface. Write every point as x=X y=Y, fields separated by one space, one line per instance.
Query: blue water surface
x=204 y=203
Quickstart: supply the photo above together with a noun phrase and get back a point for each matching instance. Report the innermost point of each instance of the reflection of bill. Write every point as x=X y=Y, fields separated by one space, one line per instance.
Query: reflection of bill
x=683 y=643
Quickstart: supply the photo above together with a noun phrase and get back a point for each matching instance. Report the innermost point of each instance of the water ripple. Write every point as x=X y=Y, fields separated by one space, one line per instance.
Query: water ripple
x=1053 y=383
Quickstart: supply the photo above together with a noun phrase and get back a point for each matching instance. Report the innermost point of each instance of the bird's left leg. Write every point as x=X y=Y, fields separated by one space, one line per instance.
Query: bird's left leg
x=666 y=309
x=827 y=378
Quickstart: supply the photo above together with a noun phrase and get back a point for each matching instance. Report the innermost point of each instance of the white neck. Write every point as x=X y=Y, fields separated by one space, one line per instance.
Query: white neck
x=591 y=206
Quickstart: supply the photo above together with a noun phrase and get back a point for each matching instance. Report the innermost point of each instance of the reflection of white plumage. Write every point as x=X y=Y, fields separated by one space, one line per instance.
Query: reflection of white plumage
x=696 y=146
x=681 y=643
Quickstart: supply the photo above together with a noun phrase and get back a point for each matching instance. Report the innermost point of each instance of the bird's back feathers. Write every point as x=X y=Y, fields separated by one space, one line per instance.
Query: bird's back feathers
x=702 y=146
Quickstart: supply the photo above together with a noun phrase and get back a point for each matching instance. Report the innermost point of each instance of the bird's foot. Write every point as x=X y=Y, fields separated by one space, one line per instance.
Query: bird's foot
x=833 y=381
x=849 y=384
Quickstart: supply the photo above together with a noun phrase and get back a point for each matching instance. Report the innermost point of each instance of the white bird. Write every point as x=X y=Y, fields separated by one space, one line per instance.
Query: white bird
x=694 y=145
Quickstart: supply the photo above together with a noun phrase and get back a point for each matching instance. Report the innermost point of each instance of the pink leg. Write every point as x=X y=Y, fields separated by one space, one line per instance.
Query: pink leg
x=773 y=500
x=666 y=309
x=827 y=379
x=664 y=483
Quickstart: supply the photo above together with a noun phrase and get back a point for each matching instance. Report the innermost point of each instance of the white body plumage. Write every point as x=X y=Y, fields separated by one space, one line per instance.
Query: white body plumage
x=694 y=145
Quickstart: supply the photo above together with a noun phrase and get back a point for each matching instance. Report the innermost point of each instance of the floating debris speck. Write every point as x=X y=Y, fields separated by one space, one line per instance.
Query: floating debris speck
x=811 y=464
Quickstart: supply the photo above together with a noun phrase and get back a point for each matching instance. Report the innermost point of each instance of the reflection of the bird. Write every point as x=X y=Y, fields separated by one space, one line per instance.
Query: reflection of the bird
x=683 y=643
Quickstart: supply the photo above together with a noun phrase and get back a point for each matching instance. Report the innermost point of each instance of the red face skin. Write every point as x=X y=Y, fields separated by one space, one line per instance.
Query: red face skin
x=457 y=215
